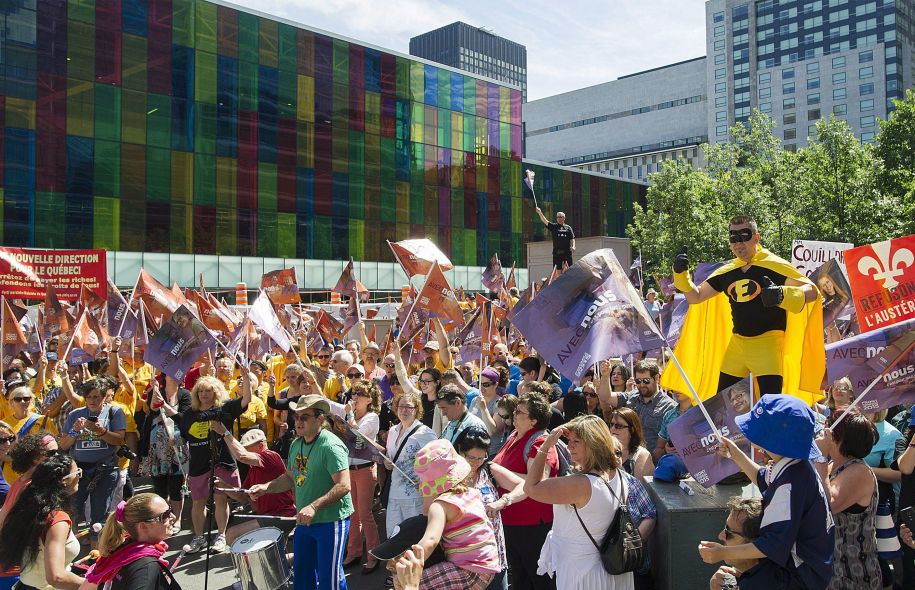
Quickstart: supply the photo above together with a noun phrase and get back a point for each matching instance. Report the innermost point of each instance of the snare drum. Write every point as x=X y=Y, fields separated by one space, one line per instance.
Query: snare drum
x=260 y=559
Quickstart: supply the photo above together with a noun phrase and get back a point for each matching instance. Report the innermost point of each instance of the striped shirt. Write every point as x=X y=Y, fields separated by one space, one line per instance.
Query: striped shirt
x=469 y=541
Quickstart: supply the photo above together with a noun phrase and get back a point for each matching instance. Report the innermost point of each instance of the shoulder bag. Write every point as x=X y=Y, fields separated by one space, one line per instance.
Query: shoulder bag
x=622 y=549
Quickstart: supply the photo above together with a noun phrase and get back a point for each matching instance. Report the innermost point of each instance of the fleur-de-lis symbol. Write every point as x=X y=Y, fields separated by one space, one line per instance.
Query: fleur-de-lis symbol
x=885 y=267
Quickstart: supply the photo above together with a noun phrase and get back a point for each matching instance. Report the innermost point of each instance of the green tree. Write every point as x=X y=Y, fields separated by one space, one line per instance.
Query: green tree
x=894 y=145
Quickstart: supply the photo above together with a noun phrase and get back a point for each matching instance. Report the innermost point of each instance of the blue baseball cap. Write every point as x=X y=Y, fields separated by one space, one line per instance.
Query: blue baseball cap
x=781 y=424
x=670 y=468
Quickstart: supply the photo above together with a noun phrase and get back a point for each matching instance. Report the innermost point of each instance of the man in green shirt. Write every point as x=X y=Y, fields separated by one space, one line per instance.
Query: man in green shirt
x=318 y=471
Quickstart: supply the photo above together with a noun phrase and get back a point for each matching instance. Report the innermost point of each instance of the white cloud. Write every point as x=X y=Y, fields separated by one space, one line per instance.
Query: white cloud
x=570 y=44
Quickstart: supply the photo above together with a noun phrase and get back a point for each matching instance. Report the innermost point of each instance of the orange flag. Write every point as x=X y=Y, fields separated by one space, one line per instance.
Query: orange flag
x=438 y=297
x=12 y=330
x=417 y=256
x=159 y=300
x=84 y=337
x=56 y=320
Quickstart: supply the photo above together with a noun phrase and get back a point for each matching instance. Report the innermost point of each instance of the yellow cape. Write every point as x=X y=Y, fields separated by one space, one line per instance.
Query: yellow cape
x=707 y=331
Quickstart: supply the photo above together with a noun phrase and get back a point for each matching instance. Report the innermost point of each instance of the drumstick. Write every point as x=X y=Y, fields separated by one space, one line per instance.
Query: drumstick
x=234 y=490
x=290 y=518
x=94 y=554
x=95 y=528
x=181 y=555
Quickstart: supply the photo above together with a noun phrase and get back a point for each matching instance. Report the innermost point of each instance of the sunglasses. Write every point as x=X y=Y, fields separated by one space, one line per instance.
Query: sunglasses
x=740 y=236
x=7 y=439
x=304 y=417
x=165 y=516
x=78 y=474
x=730 y=534
x=427 y=381
x=590 y=394
x=389 y=365
x=486 y=383
x=505 y=417
x=643 y=380
x=323 y=356
x=354 y=375
x=22 y=400
x=618 y=426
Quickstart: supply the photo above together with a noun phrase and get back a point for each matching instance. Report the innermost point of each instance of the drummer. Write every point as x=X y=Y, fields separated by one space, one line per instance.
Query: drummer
x=318 y=471
x=264 y=466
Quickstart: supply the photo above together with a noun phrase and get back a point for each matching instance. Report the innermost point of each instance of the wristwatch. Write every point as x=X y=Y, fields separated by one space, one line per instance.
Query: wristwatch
x=226 y=433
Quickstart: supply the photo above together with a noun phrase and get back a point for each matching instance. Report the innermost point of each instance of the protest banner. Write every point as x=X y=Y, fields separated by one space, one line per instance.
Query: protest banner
x=177 y=345
x=357 y=445
x=832 y=282
x=281 y=286
x=417 y=256
x=160 y=302
x=122 y=321
x=696 y=444
x=438 y=298
x=24 y=272
x=57 y=321
x=882 y=279
x=589 y=313
x=493 y=279
x=809 y=255
x=864 y=357
x=263 y=316
x=12 y=337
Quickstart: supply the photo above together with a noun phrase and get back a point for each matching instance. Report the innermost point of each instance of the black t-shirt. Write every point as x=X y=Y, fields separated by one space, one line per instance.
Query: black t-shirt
x=144 y=573
x=750 y=316
x=562 y=237
x=196 y=432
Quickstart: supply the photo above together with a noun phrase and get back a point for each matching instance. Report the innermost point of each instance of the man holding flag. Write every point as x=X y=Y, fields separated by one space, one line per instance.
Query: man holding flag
x=563 y=239
x=776 y=335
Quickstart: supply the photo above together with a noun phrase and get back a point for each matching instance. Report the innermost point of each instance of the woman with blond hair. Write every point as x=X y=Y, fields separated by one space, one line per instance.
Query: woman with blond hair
x=584 y=505
x=404 y=441
x=210 y=402
x=132 y=544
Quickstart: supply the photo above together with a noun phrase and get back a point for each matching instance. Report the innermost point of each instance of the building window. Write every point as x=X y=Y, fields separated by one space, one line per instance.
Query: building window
x=765 y=78
x=840 y=109
x=719 y=45
x=765 y=92
x=789 y=119
x=787 y=73
x=813 y=83
x=788 y=88
x=813 y=114
x=867 y=137
x=866 y=56
x=838 y=62
x=867 y=72
x=868 y=121
x=719 y=31
x=865 y=89
x=813 y=68
x=867 y=105
x=721 y=87
x=718 y=17
x=813 y=98
x=721 y=116
x=839 y=94
x=788 y=103
x=811 y=131
x=742 y=113
x=838 y=78
x=721 y=73
x=721 y=101
x=765 y=107
x=720 y=59
x=791 y=133
x=721 y=130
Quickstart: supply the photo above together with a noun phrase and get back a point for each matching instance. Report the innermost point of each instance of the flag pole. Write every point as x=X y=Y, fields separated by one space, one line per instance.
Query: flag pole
x=132 y=294
x=2 y=329
x=692 y=390
x=73 y=336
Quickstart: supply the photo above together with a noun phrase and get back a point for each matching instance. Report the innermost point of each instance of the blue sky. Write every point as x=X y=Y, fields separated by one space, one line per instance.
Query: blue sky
x=570 y=44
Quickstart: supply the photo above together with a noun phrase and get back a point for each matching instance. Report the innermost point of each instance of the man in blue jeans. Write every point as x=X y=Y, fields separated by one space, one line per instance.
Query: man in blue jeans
x=318 y=470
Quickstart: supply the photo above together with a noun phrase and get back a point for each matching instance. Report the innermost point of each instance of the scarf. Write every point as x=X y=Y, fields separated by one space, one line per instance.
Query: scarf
x=107 y=567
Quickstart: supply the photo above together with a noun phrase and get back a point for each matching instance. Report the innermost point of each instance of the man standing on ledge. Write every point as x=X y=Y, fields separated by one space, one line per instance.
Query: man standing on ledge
x=765 y=293
x=563 y=239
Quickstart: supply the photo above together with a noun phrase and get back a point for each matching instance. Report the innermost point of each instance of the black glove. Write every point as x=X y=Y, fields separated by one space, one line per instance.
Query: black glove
x=771 y=294
x=681 y=263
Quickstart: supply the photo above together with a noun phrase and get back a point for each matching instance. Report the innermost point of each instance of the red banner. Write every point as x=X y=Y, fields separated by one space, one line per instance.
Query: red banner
x=882 y=279
x=25 y=271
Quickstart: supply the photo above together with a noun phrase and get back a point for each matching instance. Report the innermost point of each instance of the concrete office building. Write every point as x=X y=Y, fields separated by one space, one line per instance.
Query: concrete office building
x=800 y=60
x=476 y=50
x=625 y=128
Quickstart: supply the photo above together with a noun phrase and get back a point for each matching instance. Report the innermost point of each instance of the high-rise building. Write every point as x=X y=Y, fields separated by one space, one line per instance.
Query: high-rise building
x=192 y=137
x=476 y=50
x=800 y=60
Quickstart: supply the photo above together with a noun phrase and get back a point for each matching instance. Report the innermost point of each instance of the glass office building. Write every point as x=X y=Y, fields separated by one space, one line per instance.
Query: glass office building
x=193 y=127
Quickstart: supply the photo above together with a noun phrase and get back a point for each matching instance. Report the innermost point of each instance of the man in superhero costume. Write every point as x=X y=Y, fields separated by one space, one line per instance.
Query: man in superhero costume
x=774 y=310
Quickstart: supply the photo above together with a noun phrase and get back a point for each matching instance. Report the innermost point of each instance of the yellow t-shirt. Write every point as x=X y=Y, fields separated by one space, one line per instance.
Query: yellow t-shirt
x=277 y=366
x=255 y=411
x=332 y=387
x=8 y=474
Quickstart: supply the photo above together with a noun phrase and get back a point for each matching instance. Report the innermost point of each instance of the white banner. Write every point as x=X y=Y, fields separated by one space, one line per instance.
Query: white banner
x=809 y=255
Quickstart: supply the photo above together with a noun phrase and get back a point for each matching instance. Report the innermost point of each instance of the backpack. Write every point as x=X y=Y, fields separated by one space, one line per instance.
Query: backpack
x=565 y=459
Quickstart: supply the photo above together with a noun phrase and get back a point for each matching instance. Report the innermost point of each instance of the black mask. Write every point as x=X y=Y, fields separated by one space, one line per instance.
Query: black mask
x=740 y=235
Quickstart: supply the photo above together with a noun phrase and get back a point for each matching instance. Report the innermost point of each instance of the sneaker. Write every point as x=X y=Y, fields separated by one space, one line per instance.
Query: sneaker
x=197 y=544
x=219 y=545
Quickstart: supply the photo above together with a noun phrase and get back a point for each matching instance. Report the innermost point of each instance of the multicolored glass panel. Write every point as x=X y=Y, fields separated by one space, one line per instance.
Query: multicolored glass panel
x=186 y=126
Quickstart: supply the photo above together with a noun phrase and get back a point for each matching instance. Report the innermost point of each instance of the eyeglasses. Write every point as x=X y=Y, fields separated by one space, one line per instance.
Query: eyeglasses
x=22 y=400
x=476 y=459
x=505 y=417
x=590 y=394
x=427 y=381
x=643 y=380
x=304 y=417
x=729 y=533
x=354 y=375
x=520 y=413
x=78 y=474
x=406 y=408
x=618 y=426
x=165 y=516
x=323 y=356
x=389 y=365
x=7 y=439
x=486 y=383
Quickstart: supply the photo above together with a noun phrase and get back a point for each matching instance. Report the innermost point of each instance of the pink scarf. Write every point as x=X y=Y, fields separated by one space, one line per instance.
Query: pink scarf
x=107 y=567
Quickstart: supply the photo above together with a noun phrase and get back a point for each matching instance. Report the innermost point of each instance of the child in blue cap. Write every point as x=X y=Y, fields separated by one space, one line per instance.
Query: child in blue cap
x=797 y=532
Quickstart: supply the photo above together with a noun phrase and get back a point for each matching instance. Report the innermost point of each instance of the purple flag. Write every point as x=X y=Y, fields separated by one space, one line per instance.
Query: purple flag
x=493 y=279
x=178 y=344
x=121 y=320
x=865 y=356
x=263 y=316
x=589 y=313
x=695 y=442
x=356 y=443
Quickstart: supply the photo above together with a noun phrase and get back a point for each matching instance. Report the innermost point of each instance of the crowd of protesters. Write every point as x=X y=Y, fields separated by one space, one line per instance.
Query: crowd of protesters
x=489 y=473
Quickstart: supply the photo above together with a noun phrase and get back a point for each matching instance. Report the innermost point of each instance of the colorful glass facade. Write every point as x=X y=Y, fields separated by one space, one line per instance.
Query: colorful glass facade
x=186 y=126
